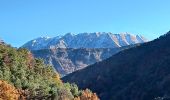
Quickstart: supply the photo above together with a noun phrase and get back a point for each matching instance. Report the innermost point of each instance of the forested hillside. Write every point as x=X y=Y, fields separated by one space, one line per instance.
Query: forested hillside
x=66 y=61
x=22 y=77
x=138 y=73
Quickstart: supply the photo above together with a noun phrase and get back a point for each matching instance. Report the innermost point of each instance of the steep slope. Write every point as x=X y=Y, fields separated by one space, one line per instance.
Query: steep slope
x=33 y=80
x=67 y=61
x=85 y=40
x=139 y=73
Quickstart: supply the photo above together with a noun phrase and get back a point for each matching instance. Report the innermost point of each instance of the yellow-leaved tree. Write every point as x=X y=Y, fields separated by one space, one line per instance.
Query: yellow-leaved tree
x=8 y=92
x=87 y=95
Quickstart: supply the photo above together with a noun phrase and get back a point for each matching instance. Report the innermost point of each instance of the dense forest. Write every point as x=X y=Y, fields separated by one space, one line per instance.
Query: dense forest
x=22 y=77
x=138 y=73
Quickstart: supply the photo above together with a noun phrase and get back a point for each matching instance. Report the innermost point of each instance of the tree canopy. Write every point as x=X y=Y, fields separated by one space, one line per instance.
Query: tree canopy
x=23 y=76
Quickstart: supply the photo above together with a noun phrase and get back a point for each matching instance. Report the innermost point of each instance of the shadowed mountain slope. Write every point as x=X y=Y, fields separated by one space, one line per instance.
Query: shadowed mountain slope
x=138 y=73
x=68 y=60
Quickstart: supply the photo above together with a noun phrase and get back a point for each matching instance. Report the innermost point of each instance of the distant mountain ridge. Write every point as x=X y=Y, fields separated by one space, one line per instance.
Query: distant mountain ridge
x=68 y=60
x=85 y=40
x=72 y=52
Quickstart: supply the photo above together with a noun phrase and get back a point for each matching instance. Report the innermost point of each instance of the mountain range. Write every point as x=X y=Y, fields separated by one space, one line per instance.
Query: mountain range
x=71 y=52
x=85 y=40
x=138 y=73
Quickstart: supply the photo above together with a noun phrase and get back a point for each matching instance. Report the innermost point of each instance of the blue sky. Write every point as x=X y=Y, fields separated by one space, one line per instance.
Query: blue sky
x=23 y=20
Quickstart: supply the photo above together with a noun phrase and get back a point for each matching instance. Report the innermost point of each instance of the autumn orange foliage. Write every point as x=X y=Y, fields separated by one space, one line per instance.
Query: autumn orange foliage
x=57 y=79
x=87 y=95
x=8 y=92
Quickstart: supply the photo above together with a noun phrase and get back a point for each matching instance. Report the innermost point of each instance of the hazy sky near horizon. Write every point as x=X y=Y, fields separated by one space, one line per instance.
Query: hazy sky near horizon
x=23 y=20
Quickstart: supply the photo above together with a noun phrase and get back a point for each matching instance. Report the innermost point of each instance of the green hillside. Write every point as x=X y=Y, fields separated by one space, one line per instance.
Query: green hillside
x=32 y=78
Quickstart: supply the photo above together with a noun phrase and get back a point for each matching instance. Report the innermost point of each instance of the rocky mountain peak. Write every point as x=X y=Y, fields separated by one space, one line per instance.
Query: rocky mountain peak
x=85 y=40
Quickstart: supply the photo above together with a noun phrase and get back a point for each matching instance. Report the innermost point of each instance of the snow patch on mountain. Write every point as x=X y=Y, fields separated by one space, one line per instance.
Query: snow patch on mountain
x=85 y=40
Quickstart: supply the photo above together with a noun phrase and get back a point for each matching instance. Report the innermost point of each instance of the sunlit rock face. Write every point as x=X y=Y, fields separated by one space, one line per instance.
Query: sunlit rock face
x=66 y=61
x=85 y=40
x=72 y=52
